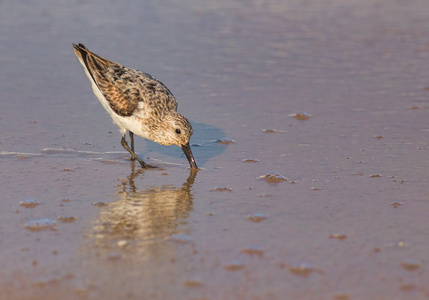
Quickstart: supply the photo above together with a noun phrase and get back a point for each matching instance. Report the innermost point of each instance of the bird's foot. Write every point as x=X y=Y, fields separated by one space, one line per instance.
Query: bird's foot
x=147 y=166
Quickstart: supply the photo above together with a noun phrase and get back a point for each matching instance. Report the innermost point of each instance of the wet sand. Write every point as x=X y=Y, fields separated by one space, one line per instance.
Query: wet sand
x=346 y=216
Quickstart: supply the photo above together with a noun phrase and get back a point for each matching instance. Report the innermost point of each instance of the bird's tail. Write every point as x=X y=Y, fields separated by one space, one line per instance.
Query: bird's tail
x=94 y=64
x=87 y=56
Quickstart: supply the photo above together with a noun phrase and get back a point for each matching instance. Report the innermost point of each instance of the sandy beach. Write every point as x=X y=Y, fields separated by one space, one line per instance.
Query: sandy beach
x=311 y=132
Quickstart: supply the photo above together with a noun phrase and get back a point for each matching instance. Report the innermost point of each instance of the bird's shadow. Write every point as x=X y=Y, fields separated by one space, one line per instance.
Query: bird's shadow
x=204 y=144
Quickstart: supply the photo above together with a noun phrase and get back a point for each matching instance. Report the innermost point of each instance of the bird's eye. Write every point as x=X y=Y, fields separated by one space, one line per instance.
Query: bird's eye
x=178 y=131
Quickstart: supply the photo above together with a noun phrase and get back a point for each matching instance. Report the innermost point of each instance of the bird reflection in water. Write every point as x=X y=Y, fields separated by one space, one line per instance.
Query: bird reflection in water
x=140 y=219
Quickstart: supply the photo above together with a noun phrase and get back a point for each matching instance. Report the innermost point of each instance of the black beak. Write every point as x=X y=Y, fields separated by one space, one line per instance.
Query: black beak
x=187 y=150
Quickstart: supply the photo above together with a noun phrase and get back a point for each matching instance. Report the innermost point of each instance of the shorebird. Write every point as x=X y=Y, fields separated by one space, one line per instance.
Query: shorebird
x=138 y=103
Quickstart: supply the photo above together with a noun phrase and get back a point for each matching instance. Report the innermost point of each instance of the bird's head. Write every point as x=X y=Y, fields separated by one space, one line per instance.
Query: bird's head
x=175 y=129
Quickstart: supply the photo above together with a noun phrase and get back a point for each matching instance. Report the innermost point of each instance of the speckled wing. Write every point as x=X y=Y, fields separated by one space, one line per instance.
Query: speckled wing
x=124 y=88
x=137 y=86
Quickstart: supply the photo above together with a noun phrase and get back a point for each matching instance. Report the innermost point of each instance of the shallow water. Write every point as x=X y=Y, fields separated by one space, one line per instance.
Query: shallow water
x=310 y=127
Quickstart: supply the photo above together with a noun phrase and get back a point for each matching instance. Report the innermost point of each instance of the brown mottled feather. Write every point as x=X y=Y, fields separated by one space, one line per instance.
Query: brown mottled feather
x=124 y=87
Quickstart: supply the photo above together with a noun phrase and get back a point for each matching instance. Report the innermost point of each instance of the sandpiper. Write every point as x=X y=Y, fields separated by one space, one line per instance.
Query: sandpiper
x=138 y=103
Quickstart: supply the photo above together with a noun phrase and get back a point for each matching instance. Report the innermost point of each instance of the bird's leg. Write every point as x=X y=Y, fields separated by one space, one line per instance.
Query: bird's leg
x=132 y=143
x=125 y=145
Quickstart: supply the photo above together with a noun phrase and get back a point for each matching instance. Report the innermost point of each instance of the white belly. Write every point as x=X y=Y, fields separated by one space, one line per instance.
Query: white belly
x=130 y=123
